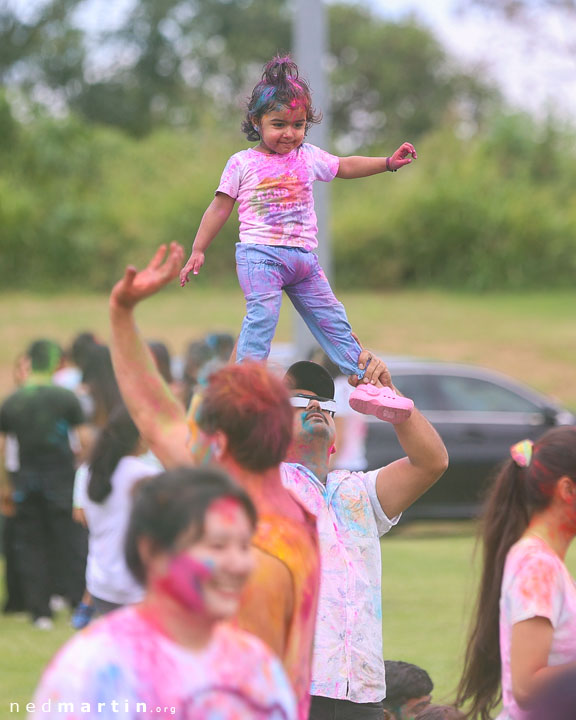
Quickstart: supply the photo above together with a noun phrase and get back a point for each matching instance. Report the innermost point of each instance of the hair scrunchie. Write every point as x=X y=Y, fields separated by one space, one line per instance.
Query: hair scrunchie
x=521 y=453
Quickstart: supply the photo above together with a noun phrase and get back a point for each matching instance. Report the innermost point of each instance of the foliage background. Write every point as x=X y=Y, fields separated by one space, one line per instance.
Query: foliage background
x=114 y=142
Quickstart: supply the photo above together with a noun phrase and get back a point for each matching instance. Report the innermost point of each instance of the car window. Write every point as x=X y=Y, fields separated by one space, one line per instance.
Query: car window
x=472 y=394
x=421 y=388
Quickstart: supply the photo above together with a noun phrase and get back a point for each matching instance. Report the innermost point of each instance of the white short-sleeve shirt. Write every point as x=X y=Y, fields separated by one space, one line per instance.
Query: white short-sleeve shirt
x=348 y=662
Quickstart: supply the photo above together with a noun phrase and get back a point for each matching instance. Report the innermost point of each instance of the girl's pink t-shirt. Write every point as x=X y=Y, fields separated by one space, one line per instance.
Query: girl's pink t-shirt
x=536 y=583
x=274 y=193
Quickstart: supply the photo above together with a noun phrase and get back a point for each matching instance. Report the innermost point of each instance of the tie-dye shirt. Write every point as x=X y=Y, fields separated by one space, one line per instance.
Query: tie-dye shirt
x=123 y=668
x=274 y=193
x=295 y=544
x=536 y=583
x=348 y=662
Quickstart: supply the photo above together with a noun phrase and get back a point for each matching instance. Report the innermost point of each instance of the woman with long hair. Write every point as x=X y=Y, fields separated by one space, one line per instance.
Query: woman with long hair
x=189 y=543
x=118 y=461
x=524 y=630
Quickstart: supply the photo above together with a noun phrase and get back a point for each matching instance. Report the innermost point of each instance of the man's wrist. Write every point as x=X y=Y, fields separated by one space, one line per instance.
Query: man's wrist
x=389 y=167
x=117 y=307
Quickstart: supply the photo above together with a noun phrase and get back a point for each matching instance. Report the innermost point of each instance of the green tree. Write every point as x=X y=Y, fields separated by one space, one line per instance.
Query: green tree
x=182 y=61
x=44 y=50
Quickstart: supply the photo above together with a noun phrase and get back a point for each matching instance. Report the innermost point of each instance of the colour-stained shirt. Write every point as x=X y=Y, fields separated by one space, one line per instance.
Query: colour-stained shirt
x=123 y=668
x=274 y=194
x=295 y=544
x=348 y=662
x=535 y=583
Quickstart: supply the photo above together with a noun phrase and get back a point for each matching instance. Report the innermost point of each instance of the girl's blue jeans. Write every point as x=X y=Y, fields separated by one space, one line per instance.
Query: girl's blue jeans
x=264 y=271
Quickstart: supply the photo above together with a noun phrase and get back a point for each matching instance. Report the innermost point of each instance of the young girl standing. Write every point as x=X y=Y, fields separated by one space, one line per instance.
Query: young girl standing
x=272 y=183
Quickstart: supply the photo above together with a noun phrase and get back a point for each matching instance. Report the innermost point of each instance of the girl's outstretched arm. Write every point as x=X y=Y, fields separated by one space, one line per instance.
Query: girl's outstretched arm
x=212 y=222
x=357 y=166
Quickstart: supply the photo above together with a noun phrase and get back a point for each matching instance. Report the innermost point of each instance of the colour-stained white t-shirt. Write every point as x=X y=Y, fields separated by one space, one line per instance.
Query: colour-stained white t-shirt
x=274 y=194
x=122 y=667
x=348 y=660
x=536 y=583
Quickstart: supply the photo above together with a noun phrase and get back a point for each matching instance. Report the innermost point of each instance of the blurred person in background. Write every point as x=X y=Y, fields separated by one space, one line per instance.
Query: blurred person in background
x=40 y=415
x=557 y=701
x=188 y=544
x=100 y=384
x=118 y=460
x=163 y=361
x=408 y=689
x=197 y=354
x=244 y=423
x=523 y=634
x=14 y=596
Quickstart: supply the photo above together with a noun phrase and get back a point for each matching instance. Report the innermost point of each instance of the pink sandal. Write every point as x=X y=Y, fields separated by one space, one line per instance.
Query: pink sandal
x=382 y=402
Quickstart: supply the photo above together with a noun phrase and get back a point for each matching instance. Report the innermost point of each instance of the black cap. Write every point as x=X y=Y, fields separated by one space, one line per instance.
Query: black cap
x=307 y=375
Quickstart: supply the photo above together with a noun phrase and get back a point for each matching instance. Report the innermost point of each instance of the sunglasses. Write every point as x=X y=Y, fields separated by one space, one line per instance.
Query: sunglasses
x=302 y=401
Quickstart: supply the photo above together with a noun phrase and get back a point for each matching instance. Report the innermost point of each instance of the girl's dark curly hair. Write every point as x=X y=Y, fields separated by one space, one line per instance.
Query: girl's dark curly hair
x=281 y=85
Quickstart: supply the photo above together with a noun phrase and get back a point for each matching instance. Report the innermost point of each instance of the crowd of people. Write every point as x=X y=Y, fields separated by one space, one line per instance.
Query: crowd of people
x=222 y=564
x=166 y=550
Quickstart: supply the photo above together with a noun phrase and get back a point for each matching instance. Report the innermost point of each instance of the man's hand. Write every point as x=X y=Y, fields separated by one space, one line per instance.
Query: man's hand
x=375 y=370
x=403 y=156
x=136 y=286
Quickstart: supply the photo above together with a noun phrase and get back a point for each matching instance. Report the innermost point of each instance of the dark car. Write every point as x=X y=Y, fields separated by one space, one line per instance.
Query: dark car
x=478 y=413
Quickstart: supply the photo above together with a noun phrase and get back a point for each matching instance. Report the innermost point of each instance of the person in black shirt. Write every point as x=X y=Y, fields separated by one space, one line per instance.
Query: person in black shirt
x=41 y=416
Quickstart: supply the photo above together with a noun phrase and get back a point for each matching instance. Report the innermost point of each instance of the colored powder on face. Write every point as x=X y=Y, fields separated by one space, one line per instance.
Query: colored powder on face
x=228 y=510
x=183 y=581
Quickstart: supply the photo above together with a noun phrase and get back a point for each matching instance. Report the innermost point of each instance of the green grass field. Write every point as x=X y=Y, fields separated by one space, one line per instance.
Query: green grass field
x=427 y=589
x=529 y=336
x=428 y=584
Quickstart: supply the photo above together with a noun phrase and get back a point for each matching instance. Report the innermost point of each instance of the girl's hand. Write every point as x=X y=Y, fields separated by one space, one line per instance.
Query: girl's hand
x=403 y=156
x=195 y=262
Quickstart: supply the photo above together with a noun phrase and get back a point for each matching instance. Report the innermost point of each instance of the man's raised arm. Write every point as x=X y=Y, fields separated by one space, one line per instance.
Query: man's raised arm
x=402 y=482
x=159 y=416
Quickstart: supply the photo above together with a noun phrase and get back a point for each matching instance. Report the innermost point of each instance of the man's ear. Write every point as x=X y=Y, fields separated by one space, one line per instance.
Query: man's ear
x=219 y=445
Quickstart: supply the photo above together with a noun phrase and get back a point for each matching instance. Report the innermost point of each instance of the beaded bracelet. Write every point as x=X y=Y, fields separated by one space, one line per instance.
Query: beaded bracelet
x=389 y=167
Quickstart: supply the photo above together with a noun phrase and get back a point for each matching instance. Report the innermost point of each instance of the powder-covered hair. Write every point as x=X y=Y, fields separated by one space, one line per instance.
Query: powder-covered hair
x=280 y=86
x=252 y=408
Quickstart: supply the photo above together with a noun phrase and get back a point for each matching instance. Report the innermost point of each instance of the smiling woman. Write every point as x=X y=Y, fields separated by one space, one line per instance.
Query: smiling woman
x=189 y=544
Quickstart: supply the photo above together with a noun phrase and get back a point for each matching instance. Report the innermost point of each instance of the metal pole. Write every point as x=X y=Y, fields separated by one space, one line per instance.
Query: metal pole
x=310 y=43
